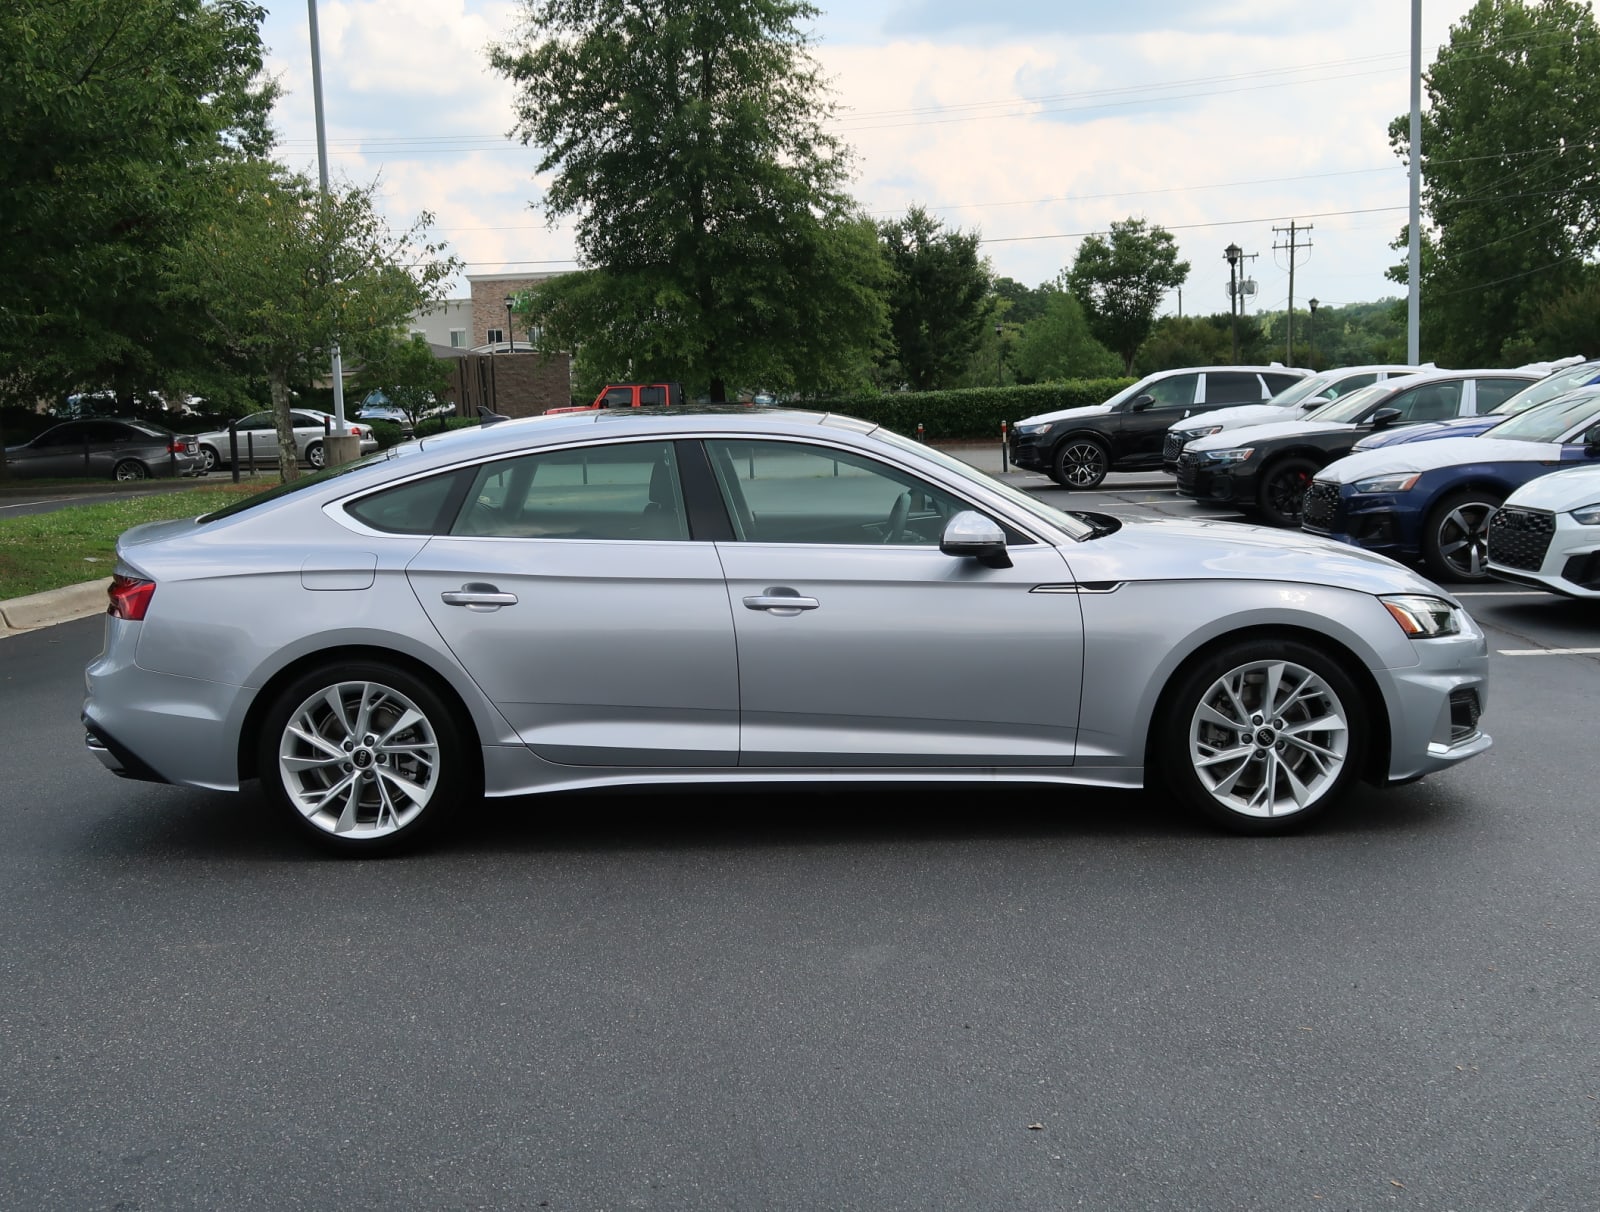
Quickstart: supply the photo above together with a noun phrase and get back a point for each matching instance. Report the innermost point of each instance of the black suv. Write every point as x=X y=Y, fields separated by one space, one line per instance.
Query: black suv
x=1076 y=447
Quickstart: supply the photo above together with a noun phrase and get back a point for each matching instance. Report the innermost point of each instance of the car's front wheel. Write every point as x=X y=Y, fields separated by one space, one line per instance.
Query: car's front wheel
x=209 y=459
x=1281 y=497
x=365 y=757
x=1080 y=463
x=1261 y=736
x=1455 y=539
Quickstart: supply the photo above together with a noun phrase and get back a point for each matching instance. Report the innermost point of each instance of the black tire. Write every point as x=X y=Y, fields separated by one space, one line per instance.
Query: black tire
x=1455 y=538
x=1286 y=771
x=315 y=455
x=392 y=790
x=129 y=470
x=209 y=458
x=1282 y=493
x=1080 y=463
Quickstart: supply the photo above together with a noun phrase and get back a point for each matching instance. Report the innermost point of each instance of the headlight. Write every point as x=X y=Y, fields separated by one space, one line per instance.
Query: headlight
x=1037 y=427
x=1228 y=456
x=1402 y=481
x=1422 y=617
x=1587 y=515
x=1189 y=435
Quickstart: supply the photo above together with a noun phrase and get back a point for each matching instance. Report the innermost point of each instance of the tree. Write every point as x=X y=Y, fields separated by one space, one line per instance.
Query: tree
x=1121 y=281
x=688 y=141
x=112 y=115
x=406 y=371
x=937 y=298
x=1510 y=169
x=1057 y=344
x=281 y=273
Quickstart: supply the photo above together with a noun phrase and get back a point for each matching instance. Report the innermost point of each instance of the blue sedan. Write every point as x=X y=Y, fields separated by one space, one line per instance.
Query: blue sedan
x=1432 y=501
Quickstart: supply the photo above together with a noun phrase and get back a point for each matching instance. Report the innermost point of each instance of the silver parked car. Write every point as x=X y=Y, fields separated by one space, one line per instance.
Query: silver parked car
x=622 y=597
x=258 y=439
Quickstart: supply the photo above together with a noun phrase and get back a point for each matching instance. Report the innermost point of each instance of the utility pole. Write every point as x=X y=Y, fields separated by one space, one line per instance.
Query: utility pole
x=1293 y=246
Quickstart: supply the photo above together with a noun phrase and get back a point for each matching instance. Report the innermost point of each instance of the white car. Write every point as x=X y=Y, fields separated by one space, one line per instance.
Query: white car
x=257 y=437
x=1290 y=404
x=1547 y=534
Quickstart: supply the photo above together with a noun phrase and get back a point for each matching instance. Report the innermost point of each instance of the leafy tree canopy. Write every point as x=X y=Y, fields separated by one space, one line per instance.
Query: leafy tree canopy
x=1510 y=166
x=1057 y=344
x=689 y=143
x=1121 y=281
x=937 y=298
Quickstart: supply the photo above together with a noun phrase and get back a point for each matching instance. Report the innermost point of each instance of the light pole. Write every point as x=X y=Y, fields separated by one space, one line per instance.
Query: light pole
x=998 y=351
x=1313 y=334
x=511 y=345
x=1232 y=253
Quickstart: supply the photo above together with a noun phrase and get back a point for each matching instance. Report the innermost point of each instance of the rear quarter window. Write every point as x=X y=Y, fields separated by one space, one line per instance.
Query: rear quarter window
x=421 y=507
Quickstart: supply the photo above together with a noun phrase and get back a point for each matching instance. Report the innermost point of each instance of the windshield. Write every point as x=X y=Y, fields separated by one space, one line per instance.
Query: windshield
x=301 y=484
x=1032 y=505
x=1550 y=421
x=1348 y=408
x=1547 y=389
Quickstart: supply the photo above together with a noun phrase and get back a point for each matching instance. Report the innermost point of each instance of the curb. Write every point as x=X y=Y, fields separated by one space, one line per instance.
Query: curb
x=53 y=606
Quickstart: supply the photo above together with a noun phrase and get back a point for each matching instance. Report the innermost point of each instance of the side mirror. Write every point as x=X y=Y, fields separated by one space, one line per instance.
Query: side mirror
x=1384 y=417
x=971 y=534
x=1141 y=403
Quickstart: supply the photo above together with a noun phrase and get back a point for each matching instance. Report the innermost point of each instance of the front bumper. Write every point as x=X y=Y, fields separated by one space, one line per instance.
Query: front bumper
x=1030 y=451
x=1373 y=522
x=1223 y=482
x=1435 y=706
x=1545 y=551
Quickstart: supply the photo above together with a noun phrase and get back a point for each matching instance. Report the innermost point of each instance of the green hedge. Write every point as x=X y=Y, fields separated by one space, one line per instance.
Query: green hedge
x=971 y=412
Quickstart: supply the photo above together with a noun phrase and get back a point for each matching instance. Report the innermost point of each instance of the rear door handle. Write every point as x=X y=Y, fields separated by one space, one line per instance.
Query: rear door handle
x=780 y=600
x=477 y=596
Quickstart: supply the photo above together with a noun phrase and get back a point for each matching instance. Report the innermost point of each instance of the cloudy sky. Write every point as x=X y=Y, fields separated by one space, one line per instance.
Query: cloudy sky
x=1033 y=122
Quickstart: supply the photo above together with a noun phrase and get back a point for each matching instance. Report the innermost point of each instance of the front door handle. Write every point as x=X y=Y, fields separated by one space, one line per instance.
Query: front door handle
x=780 y=600
x=477 y=596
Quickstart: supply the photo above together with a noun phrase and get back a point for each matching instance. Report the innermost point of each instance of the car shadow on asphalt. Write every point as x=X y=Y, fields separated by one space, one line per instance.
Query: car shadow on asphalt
x=204 y=826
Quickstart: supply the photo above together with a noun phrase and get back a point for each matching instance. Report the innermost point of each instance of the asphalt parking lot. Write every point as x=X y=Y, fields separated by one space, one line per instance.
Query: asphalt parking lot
x=893 y=999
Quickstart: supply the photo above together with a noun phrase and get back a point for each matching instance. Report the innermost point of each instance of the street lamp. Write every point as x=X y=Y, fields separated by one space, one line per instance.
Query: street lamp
x=998 y=351
x=1313 y=334
x=511 y=345
x=1233 y=253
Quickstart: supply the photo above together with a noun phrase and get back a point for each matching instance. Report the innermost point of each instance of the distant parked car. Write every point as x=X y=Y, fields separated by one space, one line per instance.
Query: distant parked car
x=120 y=450
x=1266 y=469
x=386 y=412
x=258 y=439
x=1076 y=447
x=1532 y=396
x=1547 y=534
x=1433 y=500
x=1295 y=401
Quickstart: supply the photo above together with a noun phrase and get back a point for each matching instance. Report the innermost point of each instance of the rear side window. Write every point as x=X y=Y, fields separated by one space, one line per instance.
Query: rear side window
x=1233 y=387
x=1353 y=383
x=1494 y=392
x=420 y=507
x=1277 y=382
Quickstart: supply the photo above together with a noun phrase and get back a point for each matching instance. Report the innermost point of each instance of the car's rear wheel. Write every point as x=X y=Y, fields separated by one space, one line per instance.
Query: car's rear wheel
x=1080 y=463
x=1282 y=494
x=1261 y=736
x=1455 y=539
x=315 y=456
x=365 y=756
x=130 y=469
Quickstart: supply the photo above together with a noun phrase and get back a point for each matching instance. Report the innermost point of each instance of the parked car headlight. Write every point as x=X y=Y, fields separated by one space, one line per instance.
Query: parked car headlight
x=1423 y=617
x=1238 y=455
x=1188 y=435
x=1038 y=427
x=1401 y=481
x=1587 y=515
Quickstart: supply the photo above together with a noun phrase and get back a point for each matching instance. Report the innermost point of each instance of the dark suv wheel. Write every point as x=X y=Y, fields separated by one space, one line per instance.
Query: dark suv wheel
x=1080 y=463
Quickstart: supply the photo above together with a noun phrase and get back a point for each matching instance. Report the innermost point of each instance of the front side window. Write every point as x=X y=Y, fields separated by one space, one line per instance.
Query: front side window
x=1430 y=402
x=1551 y=421
x=790 y=492
x=627 y=490
x=1176 y=391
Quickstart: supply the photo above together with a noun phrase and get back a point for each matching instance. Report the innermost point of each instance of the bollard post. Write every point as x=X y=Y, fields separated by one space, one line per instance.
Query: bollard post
x=233 y=450
x=919 y=431
x=250 y=450
x=1005 y=451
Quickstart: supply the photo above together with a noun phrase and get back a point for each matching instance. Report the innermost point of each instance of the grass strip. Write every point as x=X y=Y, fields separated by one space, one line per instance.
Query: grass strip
x=78 y=543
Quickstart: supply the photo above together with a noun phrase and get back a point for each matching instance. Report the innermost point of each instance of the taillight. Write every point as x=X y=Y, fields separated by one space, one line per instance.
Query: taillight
x=355 y=430
x=130 y=597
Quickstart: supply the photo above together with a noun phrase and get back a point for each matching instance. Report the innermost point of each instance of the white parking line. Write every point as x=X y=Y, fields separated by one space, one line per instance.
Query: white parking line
x=1549 y=651
x=1502 y=593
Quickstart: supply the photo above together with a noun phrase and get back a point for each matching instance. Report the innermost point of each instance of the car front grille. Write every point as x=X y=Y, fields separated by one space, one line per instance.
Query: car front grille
x=1188 y=466
x=1322 y=501
x=1171 y=448
x=1464 y=712
x=1519 y=538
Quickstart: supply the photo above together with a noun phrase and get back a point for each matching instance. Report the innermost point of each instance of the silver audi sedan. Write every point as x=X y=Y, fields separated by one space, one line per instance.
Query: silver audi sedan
x=687 y=597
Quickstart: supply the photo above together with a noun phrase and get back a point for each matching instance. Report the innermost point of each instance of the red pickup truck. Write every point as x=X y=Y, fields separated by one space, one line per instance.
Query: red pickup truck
x=628 y=395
